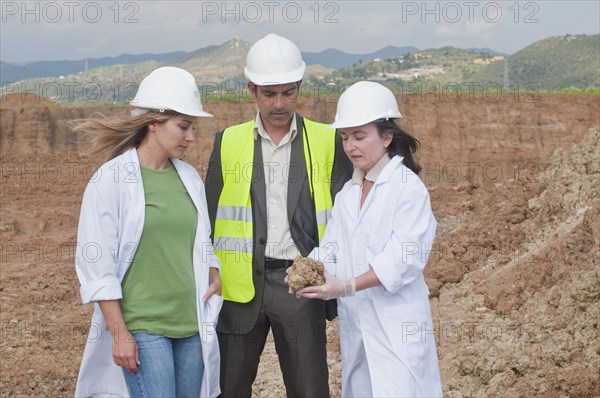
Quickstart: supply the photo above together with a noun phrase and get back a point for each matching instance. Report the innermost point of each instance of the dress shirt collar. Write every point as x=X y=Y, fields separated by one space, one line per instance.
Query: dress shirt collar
x=360 y=174
x=259 y=128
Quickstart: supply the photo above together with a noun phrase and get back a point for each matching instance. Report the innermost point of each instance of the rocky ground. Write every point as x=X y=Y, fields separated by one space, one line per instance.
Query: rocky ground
x=514 y=274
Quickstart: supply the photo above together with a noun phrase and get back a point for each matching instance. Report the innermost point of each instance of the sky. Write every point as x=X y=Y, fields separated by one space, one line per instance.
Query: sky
x=73 y=30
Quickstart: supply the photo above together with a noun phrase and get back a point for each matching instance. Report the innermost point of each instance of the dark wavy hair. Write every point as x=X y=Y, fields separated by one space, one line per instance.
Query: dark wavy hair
x=402 y=144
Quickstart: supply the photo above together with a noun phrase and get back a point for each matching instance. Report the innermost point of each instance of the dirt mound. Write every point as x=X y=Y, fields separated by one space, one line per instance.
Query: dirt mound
x=518 y=288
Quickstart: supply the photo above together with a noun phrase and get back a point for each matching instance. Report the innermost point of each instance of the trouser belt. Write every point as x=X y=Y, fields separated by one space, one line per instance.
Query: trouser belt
x=276 y=263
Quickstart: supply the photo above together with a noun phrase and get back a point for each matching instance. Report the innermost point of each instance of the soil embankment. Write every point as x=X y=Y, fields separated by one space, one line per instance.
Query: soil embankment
x=514 y=274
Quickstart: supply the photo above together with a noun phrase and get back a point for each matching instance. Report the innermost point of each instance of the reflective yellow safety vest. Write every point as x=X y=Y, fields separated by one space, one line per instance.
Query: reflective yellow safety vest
x=233 y=235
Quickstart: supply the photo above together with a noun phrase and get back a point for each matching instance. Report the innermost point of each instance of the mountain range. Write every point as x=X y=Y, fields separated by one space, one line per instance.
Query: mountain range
x=330 y=58
x=550 y=64
x=12 y=72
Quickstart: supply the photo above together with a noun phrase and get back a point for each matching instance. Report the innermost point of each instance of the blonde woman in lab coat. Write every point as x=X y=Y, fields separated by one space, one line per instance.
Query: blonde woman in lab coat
x=375 y=248
x=144 y=255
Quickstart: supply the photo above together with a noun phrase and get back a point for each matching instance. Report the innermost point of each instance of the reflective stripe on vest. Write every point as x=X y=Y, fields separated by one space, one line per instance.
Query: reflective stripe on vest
x=233 y=234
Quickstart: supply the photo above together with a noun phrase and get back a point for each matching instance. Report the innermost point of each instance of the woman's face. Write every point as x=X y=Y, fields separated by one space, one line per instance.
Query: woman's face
x=364 y=146
x=173 y=136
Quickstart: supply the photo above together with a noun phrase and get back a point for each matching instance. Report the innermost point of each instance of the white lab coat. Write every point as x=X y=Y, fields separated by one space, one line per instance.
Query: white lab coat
x=110 y=227
x=386 y=332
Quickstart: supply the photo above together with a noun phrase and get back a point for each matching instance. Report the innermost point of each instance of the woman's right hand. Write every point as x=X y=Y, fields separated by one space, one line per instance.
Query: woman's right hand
x=125 y=351
x=124 y=348
x=214 y=283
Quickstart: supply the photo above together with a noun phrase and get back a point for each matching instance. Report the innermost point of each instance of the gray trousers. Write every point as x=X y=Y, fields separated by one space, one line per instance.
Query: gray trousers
x=298 y=327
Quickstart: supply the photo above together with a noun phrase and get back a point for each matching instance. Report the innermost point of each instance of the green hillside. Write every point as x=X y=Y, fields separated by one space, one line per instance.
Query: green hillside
x=550 y=64
x=433 y=66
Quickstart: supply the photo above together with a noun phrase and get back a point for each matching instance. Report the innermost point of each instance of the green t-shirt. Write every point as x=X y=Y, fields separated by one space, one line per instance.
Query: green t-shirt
x=159 y=293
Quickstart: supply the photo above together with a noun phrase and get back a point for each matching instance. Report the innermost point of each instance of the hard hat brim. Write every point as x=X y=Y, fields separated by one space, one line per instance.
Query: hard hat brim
x=272 y=80
x=196 y=112
x=341 y=124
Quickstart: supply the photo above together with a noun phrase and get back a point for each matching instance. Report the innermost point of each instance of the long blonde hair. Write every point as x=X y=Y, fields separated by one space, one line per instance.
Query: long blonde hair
x=111 y=136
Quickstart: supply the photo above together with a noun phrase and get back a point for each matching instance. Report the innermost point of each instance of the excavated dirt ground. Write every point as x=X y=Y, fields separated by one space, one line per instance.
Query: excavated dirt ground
x=514 y=274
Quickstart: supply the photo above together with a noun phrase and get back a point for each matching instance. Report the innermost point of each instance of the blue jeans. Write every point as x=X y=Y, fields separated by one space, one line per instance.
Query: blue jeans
x=169 y=367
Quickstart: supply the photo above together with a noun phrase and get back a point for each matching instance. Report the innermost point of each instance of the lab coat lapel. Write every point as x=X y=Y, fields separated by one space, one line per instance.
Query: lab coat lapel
x=131 y=178
x=382 y=179
x=369 y=199
x=350 y=203
x=367 y=202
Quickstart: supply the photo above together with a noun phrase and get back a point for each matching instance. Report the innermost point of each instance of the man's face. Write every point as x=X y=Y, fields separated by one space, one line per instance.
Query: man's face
x=276 y=103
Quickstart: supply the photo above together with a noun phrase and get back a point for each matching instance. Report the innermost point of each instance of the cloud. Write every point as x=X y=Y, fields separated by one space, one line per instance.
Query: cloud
x=447 y=31
x=480 y=28
x=352 y=26
x=467 y=30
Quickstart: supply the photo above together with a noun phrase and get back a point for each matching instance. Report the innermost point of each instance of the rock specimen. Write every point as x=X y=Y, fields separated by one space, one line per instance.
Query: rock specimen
x=305 y=272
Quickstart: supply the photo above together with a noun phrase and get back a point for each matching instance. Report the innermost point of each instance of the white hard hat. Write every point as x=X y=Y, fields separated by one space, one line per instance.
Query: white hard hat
x=274 y=60
x=363 y=103
x=169 y=88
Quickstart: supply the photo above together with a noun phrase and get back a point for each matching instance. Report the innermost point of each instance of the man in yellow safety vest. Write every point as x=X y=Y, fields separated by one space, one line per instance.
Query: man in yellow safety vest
x=270 y=188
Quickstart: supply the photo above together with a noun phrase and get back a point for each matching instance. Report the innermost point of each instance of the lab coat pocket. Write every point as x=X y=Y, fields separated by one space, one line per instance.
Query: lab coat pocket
x=210 y=316
x=210 y=346
x=407 y=328
x=347 y=333
x=213 y=307
x=344 y=337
